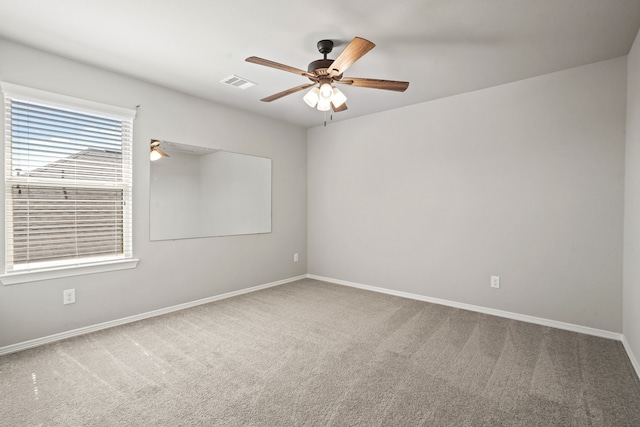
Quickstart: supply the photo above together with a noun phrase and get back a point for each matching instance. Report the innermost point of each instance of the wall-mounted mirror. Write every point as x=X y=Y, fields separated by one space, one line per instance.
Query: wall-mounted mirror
x=203 y=192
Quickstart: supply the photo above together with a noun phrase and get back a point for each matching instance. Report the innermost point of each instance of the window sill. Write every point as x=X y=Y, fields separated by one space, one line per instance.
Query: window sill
x=74 y=270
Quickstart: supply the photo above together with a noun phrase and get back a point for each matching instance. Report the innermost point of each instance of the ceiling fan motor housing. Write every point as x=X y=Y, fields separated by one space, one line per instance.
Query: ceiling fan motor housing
x=320 y=66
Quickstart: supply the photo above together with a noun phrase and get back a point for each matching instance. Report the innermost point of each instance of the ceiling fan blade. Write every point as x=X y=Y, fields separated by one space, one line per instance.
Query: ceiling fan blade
x=286 y=92
x=340 y=108
x=278 y=66
x=354 y=51
x=374 y=83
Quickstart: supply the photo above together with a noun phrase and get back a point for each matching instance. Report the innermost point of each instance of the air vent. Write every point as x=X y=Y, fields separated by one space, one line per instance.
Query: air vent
x=237 y=81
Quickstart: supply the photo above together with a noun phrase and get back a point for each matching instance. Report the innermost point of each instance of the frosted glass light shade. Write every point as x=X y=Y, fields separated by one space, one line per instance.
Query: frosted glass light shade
x=154 y=155
x=312 y=97
x=324 y=104
x=338 y=97
x=326 y=91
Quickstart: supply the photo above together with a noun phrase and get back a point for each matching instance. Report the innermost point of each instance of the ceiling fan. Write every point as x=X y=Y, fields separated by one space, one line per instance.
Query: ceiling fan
x=156 y=153
x=324 y=72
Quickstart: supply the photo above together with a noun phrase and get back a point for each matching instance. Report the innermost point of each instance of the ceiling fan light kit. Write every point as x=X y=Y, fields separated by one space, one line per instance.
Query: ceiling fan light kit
x=324 y=97
x=324 y=72
x=156 y=153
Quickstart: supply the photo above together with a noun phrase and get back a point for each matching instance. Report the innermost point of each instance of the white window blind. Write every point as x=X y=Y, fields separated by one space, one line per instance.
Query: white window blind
x=67 y=181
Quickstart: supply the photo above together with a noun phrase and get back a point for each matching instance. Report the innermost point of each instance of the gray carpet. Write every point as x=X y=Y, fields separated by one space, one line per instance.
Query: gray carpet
x=316 y=354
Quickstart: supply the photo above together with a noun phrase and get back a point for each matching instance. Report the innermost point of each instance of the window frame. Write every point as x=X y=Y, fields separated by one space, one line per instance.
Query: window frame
x=70 y=266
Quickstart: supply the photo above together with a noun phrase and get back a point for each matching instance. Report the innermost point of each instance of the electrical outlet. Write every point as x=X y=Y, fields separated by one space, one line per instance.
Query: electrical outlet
x=295 y=257
x=69 y=296
x=495 y=281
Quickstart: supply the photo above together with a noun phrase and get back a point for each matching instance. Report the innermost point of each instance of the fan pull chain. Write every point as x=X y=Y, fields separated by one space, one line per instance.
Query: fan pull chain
x=325 y=118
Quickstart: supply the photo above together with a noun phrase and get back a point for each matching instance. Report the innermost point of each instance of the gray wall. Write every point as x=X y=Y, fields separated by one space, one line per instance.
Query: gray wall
x=631 y=292
x=524 y=181
x=169 y=272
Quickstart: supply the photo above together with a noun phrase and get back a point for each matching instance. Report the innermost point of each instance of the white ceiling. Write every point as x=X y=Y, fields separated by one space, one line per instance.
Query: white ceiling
x=443 y=47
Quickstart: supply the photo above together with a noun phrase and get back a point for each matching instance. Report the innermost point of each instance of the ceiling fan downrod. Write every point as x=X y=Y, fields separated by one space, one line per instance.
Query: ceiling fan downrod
x=324 y=47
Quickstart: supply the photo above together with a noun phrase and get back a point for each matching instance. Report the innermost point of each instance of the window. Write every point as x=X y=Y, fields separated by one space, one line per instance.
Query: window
x=67 y=181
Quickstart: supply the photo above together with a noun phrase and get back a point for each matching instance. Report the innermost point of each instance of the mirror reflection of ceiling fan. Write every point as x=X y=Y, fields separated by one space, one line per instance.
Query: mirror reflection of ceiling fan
x=156 y=153
x=324 y=72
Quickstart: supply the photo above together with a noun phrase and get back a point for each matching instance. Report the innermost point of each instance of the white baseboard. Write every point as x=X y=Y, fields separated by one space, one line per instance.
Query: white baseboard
x=632 y=357
x=506 y=314
x=87 y=329
x=500 y=313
